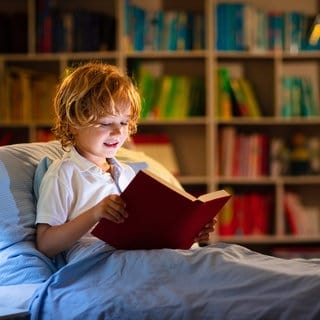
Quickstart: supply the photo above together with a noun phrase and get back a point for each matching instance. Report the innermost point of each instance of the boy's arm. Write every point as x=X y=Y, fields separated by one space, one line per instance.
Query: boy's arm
x=52 y=240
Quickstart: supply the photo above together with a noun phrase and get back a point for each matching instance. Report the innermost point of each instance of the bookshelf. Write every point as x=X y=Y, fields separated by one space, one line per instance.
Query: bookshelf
x=197 y=139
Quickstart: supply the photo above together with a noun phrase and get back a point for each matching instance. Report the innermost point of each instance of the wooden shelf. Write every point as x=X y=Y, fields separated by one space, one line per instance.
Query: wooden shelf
x=197 y=138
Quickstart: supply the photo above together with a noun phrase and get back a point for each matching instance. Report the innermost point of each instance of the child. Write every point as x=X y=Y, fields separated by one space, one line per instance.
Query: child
x=97 y=109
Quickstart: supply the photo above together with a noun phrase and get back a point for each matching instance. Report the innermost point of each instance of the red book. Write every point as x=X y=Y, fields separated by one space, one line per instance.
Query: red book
x=160 y=215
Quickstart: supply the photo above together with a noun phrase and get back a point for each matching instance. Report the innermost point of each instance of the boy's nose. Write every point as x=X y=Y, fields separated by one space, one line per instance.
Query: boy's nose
x=116 y=129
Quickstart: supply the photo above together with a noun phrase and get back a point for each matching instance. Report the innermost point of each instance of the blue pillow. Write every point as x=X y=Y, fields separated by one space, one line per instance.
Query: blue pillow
x=20 y=262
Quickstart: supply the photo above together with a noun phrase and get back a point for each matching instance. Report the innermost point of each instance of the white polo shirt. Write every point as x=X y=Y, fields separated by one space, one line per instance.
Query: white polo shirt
x=73 y=184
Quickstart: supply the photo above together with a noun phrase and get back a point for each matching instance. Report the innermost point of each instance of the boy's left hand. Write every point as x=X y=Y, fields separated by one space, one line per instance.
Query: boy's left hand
x=204 y=234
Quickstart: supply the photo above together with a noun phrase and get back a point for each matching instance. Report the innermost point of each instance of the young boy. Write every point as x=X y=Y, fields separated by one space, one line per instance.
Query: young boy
x=97 y=109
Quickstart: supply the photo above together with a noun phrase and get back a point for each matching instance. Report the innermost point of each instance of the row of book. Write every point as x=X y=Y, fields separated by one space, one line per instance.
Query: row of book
x=148 y=29
x=298 y=98
x=243 y=154
x=250 y=214
x=258 y=154
x=246 y=214
x=239 y=26
x=242 y=26
x=235 y=96
x=27 y=95
x=79 y=30
x=170 y=96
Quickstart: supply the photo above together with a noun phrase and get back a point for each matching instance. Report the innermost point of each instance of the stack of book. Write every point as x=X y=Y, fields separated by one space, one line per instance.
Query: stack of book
x=242 y=26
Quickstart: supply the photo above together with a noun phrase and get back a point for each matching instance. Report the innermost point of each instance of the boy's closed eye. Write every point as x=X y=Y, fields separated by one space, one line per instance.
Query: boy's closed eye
x=105 y=125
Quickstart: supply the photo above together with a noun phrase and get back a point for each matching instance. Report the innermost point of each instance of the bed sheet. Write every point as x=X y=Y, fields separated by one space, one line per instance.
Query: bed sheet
x=17 y=296
x=220 y=281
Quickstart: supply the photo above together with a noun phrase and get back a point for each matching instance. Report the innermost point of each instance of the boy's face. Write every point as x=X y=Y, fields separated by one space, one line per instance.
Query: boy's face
x=102 y=140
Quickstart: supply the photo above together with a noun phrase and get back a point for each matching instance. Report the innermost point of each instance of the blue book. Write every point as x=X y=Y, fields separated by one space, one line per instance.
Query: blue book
x=189 y=31
x=170 y=30
x=138 y=27
x=221 y=26
x=238 y=25
x=182 y=30
x=276 y=30
x=128 y=17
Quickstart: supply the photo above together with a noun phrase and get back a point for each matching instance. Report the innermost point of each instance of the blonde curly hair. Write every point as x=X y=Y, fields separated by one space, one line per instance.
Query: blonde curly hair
x=89 y=92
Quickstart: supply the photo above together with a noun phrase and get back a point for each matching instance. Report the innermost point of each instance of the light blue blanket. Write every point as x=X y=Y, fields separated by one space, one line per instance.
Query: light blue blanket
x=216 y=282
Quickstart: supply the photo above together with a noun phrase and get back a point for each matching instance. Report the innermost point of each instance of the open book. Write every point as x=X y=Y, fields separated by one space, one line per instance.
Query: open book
x=159 y=215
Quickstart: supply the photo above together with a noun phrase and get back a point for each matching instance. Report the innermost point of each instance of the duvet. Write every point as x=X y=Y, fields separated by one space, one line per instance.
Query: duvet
x=220 y=281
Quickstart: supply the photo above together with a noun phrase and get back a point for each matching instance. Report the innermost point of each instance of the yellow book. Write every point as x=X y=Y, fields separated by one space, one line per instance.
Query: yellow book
x=250 y=97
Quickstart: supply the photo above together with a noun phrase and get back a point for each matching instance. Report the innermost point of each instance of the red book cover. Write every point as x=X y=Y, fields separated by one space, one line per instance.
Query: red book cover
x=160 y=215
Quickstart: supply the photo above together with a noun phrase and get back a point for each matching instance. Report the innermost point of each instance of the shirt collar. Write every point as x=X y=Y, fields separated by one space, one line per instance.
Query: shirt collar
x=86 y=165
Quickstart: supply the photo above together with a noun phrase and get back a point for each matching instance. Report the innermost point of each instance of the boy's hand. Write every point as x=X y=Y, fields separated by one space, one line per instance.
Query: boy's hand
x=112 y=208
x=204 y=234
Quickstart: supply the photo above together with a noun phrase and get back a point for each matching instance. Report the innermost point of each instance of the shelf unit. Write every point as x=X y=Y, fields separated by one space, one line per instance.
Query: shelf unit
x=197 y=139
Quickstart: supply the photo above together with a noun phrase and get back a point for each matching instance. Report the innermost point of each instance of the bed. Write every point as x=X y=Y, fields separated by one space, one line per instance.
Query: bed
x=219 y=281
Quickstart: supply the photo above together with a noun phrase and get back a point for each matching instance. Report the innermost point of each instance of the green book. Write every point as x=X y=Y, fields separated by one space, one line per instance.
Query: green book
x=224 y=103
x=163 y=96
x=180 y=103
x=147 y=84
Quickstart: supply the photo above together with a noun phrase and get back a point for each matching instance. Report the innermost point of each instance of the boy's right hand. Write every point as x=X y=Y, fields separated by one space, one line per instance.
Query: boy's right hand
x=112 y=208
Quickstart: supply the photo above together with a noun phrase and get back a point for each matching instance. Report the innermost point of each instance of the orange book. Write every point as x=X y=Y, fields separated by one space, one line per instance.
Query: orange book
x=160 y=215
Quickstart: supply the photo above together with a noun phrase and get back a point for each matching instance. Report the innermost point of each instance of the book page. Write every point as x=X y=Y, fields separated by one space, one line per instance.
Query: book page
x=170 y=186
x=213 y=195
